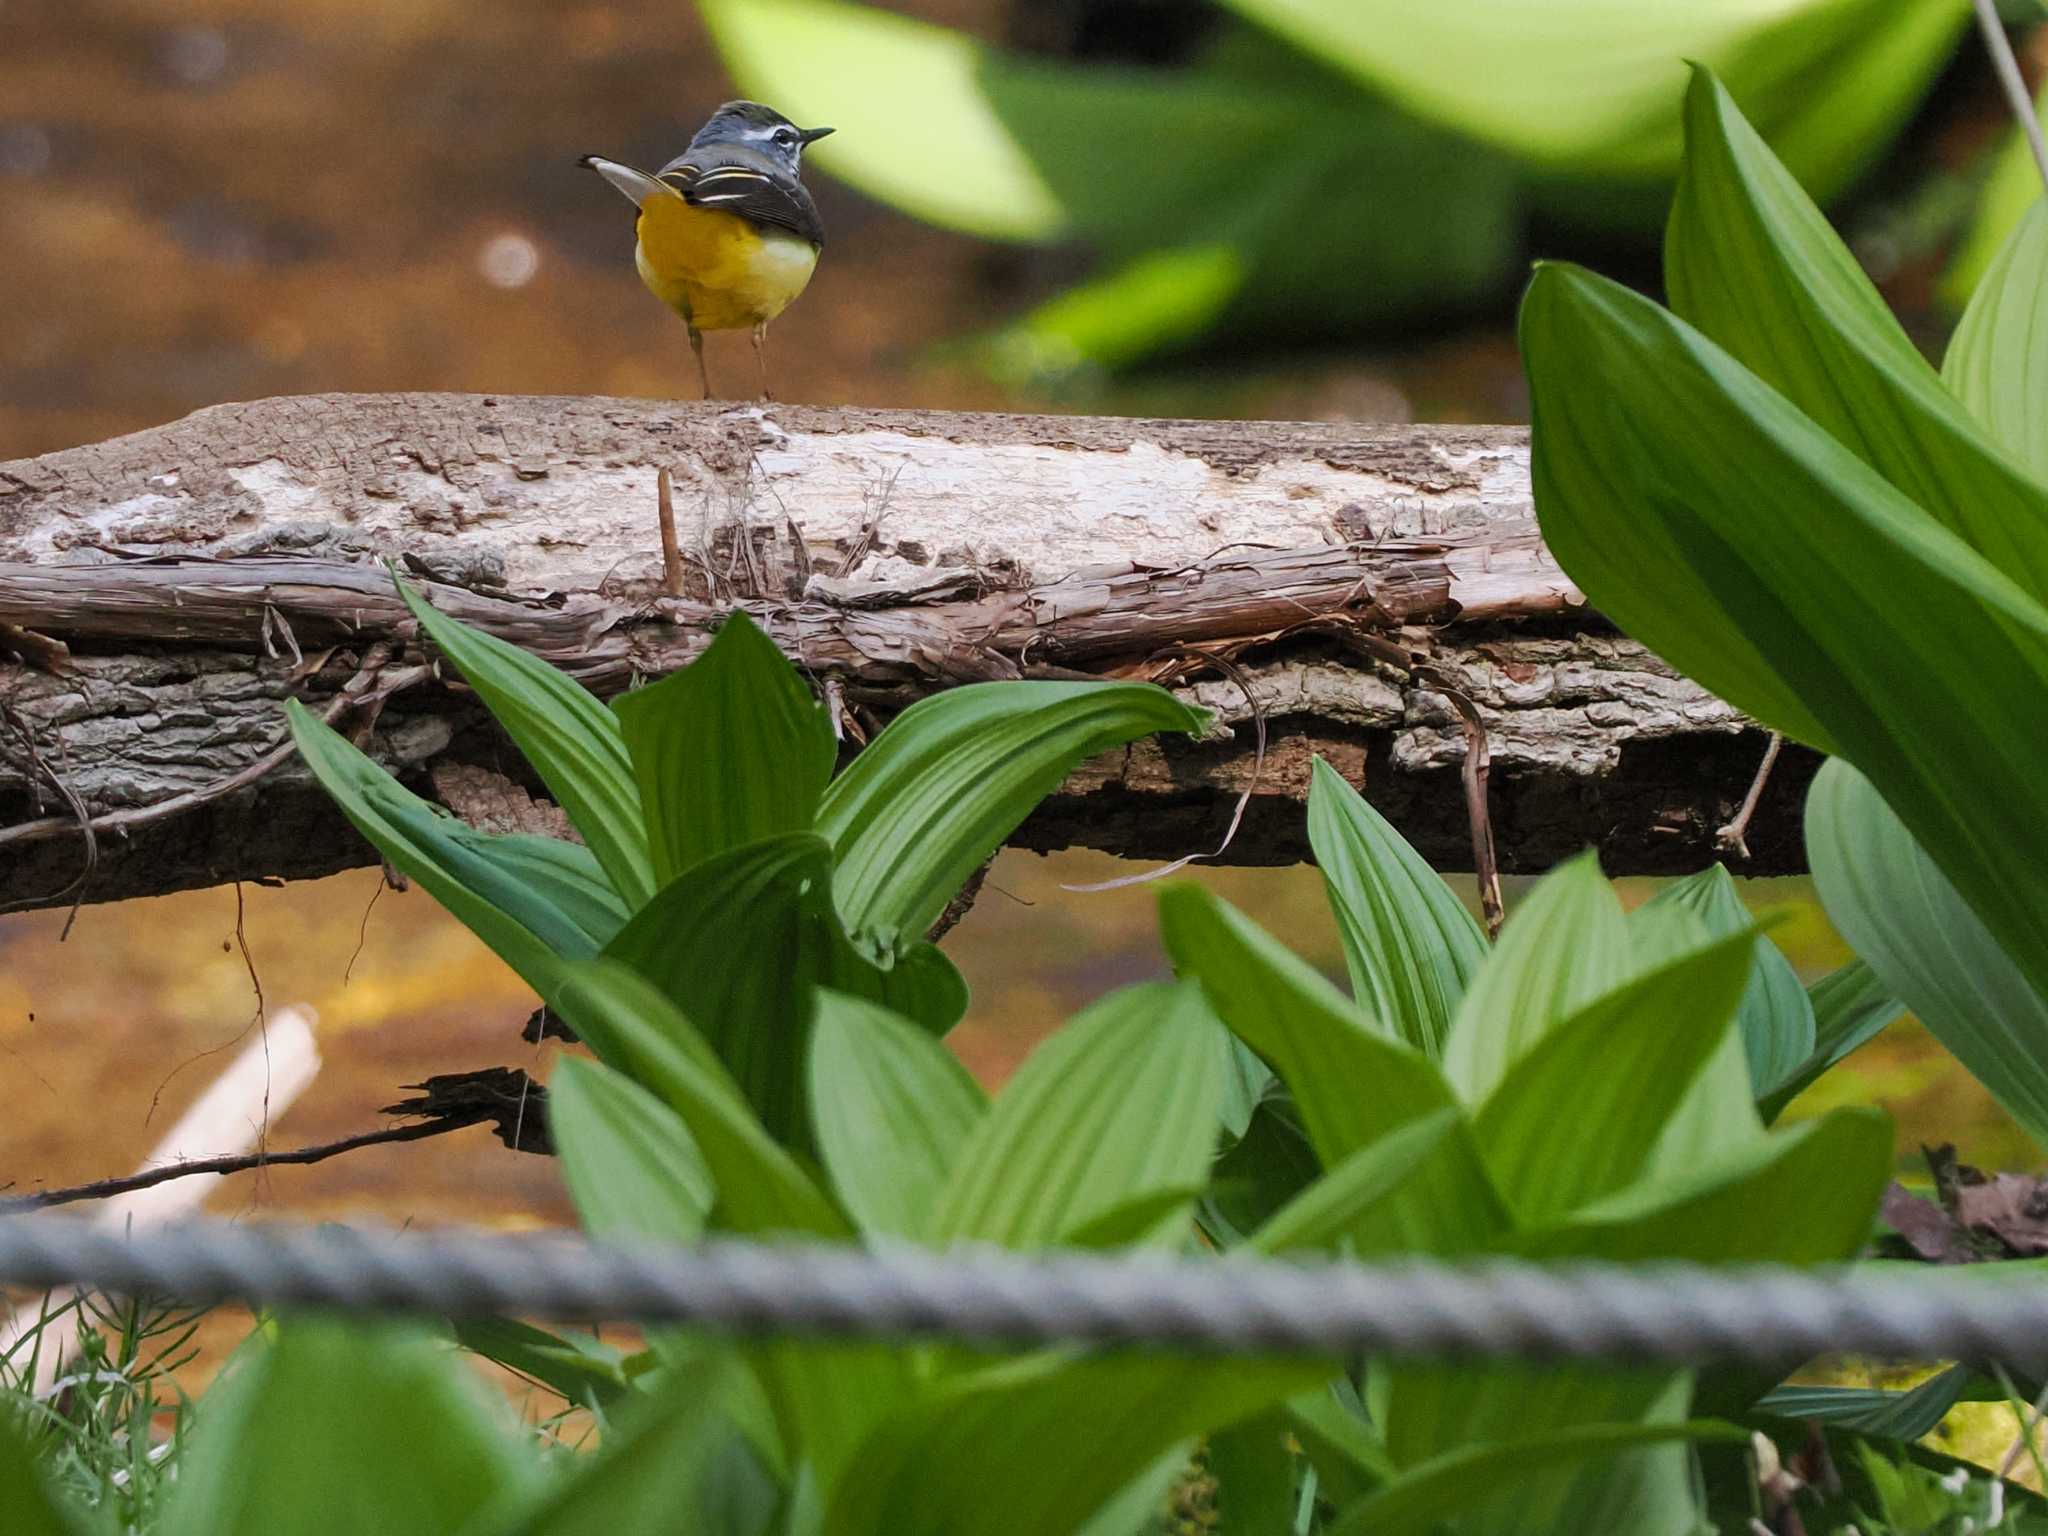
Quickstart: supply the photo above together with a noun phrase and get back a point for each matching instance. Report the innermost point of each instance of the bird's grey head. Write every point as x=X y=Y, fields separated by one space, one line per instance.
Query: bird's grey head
x=760 y=128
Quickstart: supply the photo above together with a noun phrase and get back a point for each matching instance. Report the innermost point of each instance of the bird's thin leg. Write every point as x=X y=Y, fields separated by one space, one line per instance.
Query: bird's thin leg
x=703 y=373
x=761 y=357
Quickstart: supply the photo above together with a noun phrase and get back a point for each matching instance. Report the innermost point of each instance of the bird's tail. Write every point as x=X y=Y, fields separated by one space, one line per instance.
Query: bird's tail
x=635 y=186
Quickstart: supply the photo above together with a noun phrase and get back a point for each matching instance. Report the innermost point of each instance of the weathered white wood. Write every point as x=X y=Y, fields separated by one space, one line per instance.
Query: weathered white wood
x=889 y=550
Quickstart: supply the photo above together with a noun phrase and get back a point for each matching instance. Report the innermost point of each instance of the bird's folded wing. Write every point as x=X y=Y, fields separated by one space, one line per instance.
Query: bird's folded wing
x=759 y=196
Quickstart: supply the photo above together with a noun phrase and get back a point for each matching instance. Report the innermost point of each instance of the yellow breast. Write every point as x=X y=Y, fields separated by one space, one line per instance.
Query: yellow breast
x=715 y=269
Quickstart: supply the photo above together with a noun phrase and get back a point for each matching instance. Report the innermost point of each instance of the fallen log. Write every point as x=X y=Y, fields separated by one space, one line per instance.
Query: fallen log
x=1347 y=587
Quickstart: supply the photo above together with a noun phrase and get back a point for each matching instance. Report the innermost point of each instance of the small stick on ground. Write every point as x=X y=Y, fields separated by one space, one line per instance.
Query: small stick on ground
x=1730 y=838
x=671 y=552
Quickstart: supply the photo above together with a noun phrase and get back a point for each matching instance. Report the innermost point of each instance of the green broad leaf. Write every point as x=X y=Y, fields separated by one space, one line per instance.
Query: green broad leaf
x=1992 y=363
x=408 y=1442
x=1348 y=1208
x=1120 y=1102
x=824 y=1395
x=534 y=908
x=1433 y=1491
x=1907 y=921
x=571 y=739
x=1253 y=1466
x=1588 y=86
x=1431 y=1411
x=1850 y=1006
x=1776 y=1017
x=1565 y=945
x=632 y=1170
x=894 y=1110
x=1712 y=519
x=670 y=1462
x=1753 y=264
x=953 y=775
x=576 y=1367
x=761 y=1188
x=1036 y=1445
x=1871 y=1410
x=1312 y=1036
x=1263 y=1169
x=1624 y=1064
x=25 y=1500
x=1411 y=947
x=1337 y=1438
x=744 y=940
x=1806 y=1194
x=2011 y=188
x=1133 y=1510
x=727 y=751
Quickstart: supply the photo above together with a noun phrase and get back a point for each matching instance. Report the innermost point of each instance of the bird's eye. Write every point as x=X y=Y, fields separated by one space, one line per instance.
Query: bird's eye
x=785 y=136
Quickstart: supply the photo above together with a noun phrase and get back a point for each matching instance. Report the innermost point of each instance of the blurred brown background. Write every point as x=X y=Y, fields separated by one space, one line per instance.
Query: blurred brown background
x=231 y=199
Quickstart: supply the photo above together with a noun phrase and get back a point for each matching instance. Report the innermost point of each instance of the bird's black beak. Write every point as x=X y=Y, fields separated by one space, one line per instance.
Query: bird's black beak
x=812 y=135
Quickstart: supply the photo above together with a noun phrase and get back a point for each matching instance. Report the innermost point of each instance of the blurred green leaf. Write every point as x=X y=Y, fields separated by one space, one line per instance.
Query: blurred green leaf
x=1121 y=1101
x=727 y=751
x=1411 y=947
x=1347 y=1209
x=1776 y=1017
x=1034 y=1446
x=1245 y=189
x=1703 y=513
x=1336 y=1437
x=2012 y=186
x=25 y=1501
x=1850 y=1006
x=1995 y=362
x=1752 y=263
x=1317 y=1042
x=1587 y=85
x=953 y=775
x=336 y=1429
x=560 y=728
x=1149 y=304
x=930 y=144
x=1623 y=1063
x=744 y=939
x=1565 y=946
x=669 y=1462
x=631 y=1168
x=1426 y=1495
x=575 y=1366
x=1872 y=1410
x=1909 y=923
x=534 y=902
x=894 y=1109
x=1262 y=1170
x=1253 y=1466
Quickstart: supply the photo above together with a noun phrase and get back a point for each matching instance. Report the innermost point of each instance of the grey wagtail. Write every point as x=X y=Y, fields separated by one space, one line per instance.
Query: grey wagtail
x=728 y=236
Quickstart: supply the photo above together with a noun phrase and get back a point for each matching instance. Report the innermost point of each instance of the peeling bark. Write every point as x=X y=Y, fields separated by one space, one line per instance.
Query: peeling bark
x=200 y=573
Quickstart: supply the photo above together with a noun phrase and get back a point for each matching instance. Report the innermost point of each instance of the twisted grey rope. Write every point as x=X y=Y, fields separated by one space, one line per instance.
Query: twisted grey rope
x=1660 y=1312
